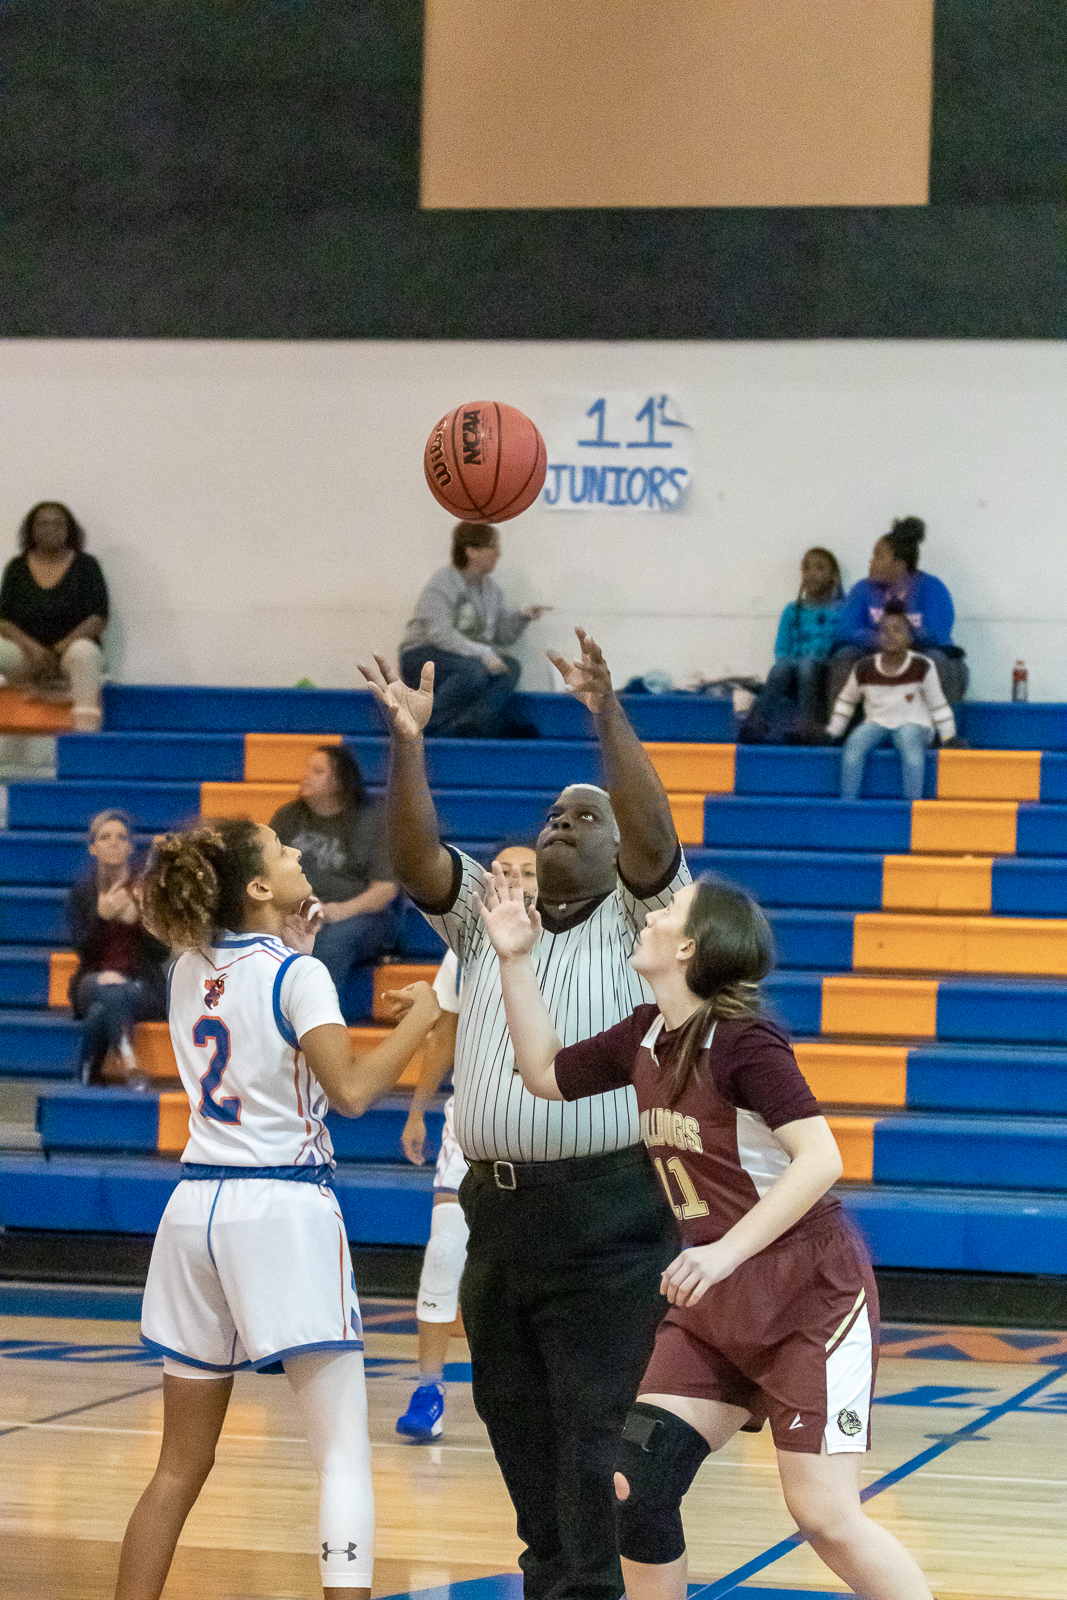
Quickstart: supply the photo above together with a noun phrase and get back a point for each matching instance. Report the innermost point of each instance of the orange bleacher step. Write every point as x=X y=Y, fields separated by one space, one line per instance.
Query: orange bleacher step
x=25 y=717
x=281 y=757
x=687 y=814
x=937 y=883
x=860 y=1074
x=156 y=1053
x=855 y=1140
x=989 y=775
x=256 y=800
x=62 y=965
x=694 y=768
x=964 y=827
x=905 y=1007
x=1010 y=945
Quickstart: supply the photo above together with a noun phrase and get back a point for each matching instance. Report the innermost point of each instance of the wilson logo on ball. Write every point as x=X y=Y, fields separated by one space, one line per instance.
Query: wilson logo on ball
x=485 y=461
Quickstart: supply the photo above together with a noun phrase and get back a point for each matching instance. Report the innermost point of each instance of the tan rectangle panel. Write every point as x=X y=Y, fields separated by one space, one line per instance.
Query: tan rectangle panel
x=854 y=1074
x=539 y=103
x=869 y=1006
x=969 y=827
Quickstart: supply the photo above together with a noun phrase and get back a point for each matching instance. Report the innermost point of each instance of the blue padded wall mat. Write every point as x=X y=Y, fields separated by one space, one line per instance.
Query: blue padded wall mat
x=769 y=769
x=1015 y=1011
x=38 y=1044
x=103 y=1118
x=37 y=803
x=1041 y=830
x=1016 y=1079
x=179 y=708
x=961 y=1232
x=818 y=939
x=32 y=915
x=23 y=976
x=376 y=1135
x=796 y=824
x=971 y=1152
x=1004 y=725
x=1029 y=886
x=804 y=878
x=152 y=757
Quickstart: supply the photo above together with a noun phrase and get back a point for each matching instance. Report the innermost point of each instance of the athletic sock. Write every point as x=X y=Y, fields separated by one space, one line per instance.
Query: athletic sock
x=436 y=1376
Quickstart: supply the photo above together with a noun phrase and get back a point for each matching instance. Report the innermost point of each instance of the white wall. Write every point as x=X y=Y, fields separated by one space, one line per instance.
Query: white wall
x=260 y=510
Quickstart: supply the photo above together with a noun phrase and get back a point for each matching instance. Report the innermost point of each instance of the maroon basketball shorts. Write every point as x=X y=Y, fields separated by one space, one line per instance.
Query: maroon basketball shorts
x=789 y=1336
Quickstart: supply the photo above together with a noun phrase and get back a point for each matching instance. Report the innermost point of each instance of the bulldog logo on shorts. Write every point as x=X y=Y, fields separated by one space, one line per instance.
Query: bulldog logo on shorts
x=849 y=1423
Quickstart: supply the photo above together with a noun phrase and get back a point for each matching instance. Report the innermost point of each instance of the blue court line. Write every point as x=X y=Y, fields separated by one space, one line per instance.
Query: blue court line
x=733 y=1580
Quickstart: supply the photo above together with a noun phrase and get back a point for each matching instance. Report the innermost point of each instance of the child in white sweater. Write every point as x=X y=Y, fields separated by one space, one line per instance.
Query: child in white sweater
x=902 y=700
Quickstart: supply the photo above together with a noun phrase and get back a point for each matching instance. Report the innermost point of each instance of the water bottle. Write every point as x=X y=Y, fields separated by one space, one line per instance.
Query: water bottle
x=1020 y=682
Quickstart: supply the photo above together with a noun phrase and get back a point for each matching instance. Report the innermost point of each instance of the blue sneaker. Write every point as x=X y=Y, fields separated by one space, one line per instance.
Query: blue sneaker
x=424 y=1417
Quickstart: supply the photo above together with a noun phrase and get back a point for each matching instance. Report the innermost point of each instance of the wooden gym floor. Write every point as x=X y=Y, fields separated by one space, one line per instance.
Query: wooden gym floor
x=969 y=1469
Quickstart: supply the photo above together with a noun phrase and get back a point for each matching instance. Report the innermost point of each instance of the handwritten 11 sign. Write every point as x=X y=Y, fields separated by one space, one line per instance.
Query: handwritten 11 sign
x=620 y=450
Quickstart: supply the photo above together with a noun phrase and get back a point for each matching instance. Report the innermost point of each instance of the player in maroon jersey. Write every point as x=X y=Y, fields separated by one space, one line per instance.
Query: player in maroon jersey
x=773 y=1305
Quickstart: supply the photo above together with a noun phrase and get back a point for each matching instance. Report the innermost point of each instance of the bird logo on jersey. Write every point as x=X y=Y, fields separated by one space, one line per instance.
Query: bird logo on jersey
x=213 y=991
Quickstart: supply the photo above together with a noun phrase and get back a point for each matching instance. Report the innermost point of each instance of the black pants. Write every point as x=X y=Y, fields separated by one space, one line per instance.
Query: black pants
x=560 y=1303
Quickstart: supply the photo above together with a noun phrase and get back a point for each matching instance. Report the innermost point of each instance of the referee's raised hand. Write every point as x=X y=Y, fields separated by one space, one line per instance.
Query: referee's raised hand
x=408 y=710
x=513 y=927
x=588 y=678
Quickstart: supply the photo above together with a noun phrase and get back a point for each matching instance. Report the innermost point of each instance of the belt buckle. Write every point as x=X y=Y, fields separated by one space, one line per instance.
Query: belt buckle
x=498 y=1175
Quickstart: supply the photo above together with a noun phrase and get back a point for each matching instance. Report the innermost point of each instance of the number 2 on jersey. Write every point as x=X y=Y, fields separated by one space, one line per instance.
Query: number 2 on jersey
x=212 y=1030
x=692 y=1205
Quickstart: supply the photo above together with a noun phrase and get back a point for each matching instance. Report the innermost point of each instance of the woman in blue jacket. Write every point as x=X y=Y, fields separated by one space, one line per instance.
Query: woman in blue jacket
x=894 y=575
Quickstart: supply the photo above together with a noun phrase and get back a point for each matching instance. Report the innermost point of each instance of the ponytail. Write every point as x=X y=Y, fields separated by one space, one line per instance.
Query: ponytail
x=196 y=882
x=734 y=950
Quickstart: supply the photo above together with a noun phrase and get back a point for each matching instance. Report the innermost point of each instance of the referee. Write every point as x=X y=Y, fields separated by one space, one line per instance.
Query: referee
x=569 y=1230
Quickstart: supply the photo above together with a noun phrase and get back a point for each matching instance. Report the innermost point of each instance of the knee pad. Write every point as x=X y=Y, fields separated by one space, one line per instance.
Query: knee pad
x=442 y=1265
x=658 y=1456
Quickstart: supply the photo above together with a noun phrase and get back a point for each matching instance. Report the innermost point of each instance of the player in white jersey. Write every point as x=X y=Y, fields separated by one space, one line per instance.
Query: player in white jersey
x=437 y=1302
x=255 y=1275
x=569 y=1230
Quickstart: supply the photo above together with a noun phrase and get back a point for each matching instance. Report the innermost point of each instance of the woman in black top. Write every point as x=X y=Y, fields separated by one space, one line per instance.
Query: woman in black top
x=53 y=612
x=120 y=979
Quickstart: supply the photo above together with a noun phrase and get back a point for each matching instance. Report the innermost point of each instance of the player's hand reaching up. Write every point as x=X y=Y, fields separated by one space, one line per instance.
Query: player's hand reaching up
x=513 y=928
x=413 y=996
x=407 y=709
x=588 y=678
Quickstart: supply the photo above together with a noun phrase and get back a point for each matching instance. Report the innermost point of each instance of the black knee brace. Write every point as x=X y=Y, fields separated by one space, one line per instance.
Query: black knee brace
x=658 y=1456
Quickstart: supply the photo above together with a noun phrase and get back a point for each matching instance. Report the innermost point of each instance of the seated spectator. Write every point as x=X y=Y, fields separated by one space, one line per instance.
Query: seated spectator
x=791 y=707
x=894 y=575
x=53 y=612
x=341 y=839
x=902 y=701
x=463 y=626
x=121 y=976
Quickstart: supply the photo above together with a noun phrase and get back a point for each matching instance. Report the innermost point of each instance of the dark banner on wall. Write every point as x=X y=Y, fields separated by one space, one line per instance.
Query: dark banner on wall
x=251 y=169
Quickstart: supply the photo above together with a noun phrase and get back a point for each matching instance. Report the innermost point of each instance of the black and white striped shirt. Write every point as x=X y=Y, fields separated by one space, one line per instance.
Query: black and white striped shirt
x=588 y=986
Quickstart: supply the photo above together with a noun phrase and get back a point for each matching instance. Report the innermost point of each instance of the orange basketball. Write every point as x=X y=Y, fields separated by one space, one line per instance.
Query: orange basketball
x=485 y=462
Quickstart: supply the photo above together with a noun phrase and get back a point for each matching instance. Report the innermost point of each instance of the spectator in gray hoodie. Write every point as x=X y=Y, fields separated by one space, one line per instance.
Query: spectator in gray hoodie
x=462 y=624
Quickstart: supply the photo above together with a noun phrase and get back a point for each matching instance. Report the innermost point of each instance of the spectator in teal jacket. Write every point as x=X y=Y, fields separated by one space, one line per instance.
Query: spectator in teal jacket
x=792 y=705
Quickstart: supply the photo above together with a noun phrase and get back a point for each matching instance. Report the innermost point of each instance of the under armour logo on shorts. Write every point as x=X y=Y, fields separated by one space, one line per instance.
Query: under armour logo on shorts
x=849 y=1423
x=344 y=1550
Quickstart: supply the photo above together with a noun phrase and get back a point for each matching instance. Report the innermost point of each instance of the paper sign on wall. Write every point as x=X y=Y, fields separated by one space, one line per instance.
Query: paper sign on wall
x=619 y=450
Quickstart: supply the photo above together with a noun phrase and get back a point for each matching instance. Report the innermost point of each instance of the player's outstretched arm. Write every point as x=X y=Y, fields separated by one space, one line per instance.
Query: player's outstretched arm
x=353 y=1080
x=419 y=859
x=648 y=842
x=513 y=930
x=438 y=1055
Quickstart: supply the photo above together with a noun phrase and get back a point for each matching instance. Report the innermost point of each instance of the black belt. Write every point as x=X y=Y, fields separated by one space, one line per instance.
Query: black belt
x=510 y=1175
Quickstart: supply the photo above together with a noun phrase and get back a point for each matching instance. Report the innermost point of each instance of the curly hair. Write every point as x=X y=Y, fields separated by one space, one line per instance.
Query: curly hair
x=904 y=539
x=196 y=882
x=734 y=951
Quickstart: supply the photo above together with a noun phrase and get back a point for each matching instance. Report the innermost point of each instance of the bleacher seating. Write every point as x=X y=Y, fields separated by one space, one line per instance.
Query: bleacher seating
x=922 y=959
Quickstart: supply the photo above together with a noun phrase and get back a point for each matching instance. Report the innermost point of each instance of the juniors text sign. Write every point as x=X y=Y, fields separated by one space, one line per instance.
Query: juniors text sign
x=619 y=450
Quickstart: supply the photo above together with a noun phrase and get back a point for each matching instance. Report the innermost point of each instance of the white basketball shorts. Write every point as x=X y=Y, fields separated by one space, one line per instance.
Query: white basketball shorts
x=451 y=1167
x=247 y=1271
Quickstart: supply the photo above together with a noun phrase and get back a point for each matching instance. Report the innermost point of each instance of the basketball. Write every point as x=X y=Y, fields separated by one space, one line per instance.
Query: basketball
x=485 y=462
